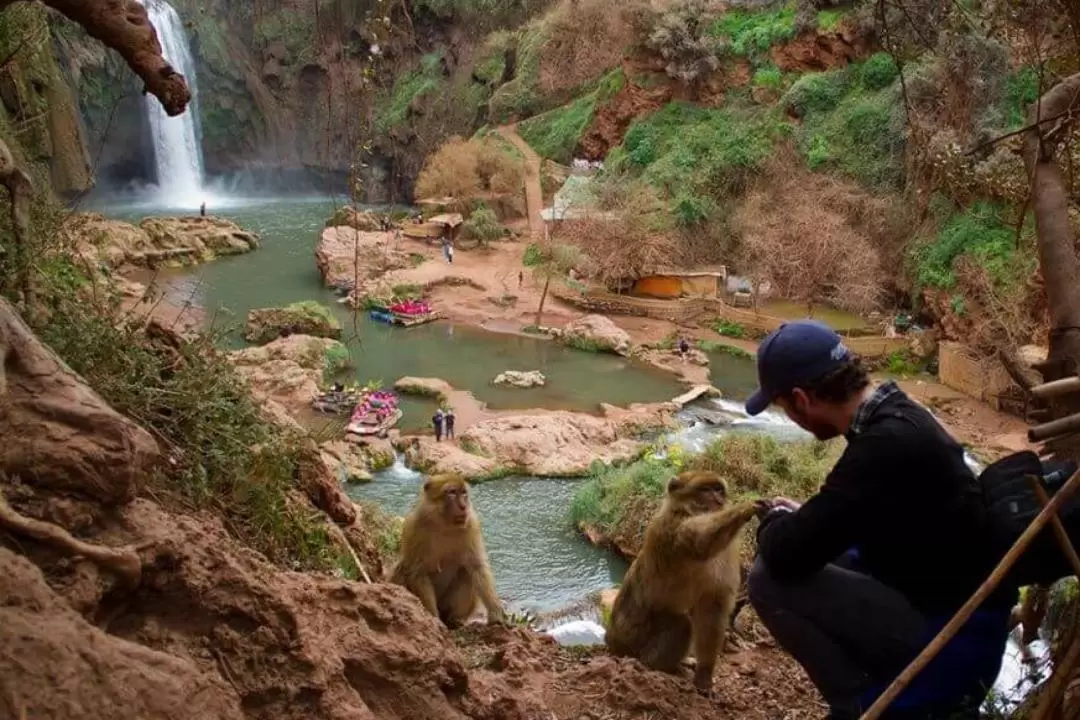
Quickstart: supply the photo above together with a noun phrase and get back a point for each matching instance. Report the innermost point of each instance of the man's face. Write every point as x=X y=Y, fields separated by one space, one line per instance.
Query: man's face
x=809 y=414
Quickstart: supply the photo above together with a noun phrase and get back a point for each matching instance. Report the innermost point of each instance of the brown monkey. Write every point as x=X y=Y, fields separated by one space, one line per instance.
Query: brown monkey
x=443 y=561
x=682 y=586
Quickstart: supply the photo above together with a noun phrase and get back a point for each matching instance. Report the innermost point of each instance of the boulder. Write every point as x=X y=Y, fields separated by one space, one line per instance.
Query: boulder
x=288 y=370
x=56 y=665
x=103 y=241
x=428 y=456
x=346 y=461
x=521 y=378
x=596 y=333
x=183 y=240
x=302 y=318
x=323 y=486
x=346 y=256
x=363 y=220
x=550 y=444
x=641 y=418
x=424 y=387
x=58 y=433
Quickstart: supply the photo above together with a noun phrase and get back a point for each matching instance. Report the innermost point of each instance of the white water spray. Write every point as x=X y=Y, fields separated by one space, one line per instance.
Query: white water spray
x=177 y=151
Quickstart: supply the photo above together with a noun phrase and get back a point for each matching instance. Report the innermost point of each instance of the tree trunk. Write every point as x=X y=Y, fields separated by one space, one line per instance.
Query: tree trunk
x=543 y=297
x=1057 y=250
x=21 y=189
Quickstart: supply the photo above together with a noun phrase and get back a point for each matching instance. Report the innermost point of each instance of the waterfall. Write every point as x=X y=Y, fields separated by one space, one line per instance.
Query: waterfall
x=177 y=151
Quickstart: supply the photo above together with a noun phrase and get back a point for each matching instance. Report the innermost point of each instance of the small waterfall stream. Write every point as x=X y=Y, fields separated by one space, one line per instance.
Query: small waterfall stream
x=177 y=151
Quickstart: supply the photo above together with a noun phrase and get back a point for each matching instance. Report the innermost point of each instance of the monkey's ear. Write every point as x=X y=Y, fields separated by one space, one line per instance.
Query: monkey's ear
x=676 y=484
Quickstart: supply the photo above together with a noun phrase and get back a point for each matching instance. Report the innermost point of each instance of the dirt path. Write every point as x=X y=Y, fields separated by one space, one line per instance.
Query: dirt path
x=534 y=196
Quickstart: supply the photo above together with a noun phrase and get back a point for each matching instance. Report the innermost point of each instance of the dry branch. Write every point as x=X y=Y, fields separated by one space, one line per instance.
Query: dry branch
x=124 y=26
x=124 y=562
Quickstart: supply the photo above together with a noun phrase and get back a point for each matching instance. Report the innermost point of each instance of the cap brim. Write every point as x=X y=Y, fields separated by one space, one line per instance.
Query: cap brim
x=757 y=403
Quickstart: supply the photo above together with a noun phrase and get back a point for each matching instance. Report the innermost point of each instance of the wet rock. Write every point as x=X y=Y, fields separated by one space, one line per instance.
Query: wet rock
x=56 y=665
x=641 y=418
x=424 y=387
x=362 y=220
x=521 y=378
x=346 y=461
x=347 y=257
x=58 y=433
x=553 y=444
x=428 y=456
x=196 y=239
x=287 y=370
x=302 y=318
x=596 y=333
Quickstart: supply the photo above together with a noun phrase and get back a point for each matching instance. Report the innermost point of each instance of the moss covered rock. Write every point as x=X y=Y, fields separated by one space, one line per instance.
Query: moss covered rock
x=302 y=318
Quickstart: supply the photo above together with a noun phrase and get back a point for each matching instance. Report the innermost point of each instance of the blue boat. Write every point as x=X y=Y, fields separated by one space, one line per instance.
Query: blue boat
x=382 y=316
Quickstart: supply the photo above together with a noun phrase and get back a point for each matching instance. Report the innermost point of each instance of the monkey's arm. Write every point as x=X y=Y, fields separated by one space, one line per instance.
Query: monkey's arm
x=705 y=535
x=485 y=587
x=422 y=587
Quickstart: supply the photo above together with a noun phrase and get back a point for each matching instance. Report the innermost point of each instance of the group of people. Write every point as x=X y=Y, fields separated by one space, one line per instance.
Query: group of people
x=443 y=420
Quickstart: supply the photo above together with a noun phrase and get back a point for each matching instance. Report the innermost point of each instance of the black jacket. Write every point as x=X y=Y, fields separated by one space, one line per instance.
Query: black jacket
x=902 y=494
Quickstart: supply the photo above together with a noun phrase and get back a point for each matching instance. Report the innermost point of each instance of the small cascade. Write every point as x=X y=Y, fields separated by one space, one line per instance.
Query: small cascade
x=399 y=471
x=177 y=151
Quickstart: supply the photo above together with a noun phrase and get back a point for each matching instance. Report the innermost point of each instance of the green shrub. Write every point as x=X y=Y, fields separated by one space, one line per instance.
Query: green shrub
x=483 y=225
x=752 y=32
x=901 y=362
x=1021 y=91
x=728 y=328
x=534 y=255
x=336 y=359
x=769 y=77
x=393 y=109
x=817 y=92
x=721 y=348
x=830 y=19
x=878 y=71
x=980 y=232
x=555 y=134
x=584 y=343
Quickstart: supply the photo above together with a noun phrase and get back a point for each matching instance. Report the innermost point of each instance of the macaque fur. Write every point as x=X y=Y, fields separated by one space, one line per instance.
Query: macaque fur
x=681 y=589
x=443 y=561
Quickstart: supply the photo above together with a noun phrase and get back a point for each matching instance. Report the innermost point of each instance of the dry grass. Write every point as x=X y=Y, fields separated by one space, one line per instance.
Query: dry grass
x=585 y=39
x=471 y=169
x=818 y=250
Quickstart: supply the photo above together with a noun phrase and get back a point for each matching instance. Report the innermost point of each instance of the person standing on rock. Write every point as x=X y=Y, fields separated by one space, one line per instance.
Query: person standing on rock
x=684 y=348
x=449 y=423
x=437 y=420
x=202 y=209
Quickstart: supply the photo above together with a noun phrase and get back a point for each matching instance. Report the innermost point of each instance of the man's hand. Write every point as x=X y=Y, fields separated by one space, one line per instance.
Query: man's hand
x=785 y=503
x=762 y=507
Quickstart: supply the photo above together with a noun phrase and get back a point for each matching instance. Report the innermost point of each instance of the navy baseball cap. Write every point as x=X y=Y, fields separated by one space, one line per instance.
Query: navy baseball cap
x=795 y=354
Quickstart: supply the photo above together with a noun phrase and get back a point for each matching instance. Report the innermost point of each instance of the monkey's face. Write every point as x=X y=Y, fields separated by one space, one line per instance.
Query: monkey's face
x=699 y=491
x=455 y=499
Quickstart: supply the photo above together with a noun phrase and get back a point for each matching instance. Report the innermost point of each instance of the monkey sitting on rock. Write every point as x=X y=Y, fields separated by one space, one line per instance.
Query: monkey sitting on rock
x=682 y=587
x=443 y=561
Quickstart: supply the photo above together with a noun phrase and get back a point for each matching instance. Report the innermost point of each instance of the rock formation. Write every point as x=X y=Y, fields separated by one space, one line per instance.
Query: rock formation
x=347 y=257
x=156 y=241
x=424 y=387
x=287 y=370
x=426 y=455
x=346 y=461
x=596 y=333
x=521 y=378
x=58 y=433
x=362 y=220
x=302 y=318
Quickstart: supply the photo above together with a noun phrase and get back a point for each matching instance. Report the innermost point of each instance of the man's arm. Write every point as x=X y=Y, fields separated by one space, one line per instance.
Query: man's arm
x=796 y=544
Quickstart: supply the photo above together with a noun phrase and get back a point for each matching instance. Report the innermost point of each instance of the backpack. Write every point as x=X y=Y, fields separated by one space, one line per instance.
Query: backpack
x=1011 y=505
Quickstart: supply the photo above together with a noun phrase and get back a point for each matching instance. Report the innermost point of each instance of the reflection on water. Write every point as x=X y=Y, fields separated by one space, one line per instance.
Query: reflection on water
x=540 y=563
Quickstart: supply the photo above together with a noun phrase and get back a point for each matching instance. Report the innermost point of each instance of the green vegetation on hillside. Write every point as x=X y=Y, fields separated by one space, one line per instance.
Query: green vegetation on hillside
x=853 y=122
x=695 y=154
x=394 y=109
x=981 y=233
x=753 y=31
x=556 y=133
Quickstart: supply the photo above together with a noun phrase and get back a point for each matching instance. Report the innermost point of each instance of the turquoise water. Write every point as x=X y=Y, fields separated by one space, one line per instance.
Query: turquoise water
x=539 y=562
x=283 y=271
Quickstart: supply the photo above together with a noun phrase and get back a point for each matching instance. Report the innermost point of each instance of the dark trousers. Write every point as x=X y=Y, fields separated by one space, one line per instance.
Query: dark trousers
x=449 y=431
x=847 y=630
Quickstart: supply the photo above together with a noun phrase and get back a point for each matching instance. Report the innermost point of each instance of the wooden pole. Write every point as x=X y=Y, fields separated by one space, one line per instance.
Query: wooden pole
x=1055 y=688
x=1054 y=428
x=949 y=631
x=1065 y=386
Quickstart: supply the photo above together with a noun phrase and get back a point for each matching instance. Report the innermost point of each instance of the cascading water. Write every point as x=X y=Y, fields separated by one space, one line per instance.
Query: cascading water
x=177 y=151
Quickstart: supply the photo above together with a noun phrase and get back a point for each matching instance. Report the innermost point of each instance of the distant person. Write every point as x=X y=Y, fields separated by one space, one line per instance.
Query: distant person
x=202 y=209
x=521 y=278
x=437 y=420
x=450 y=252
x=449 y=423
x=684 y=348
